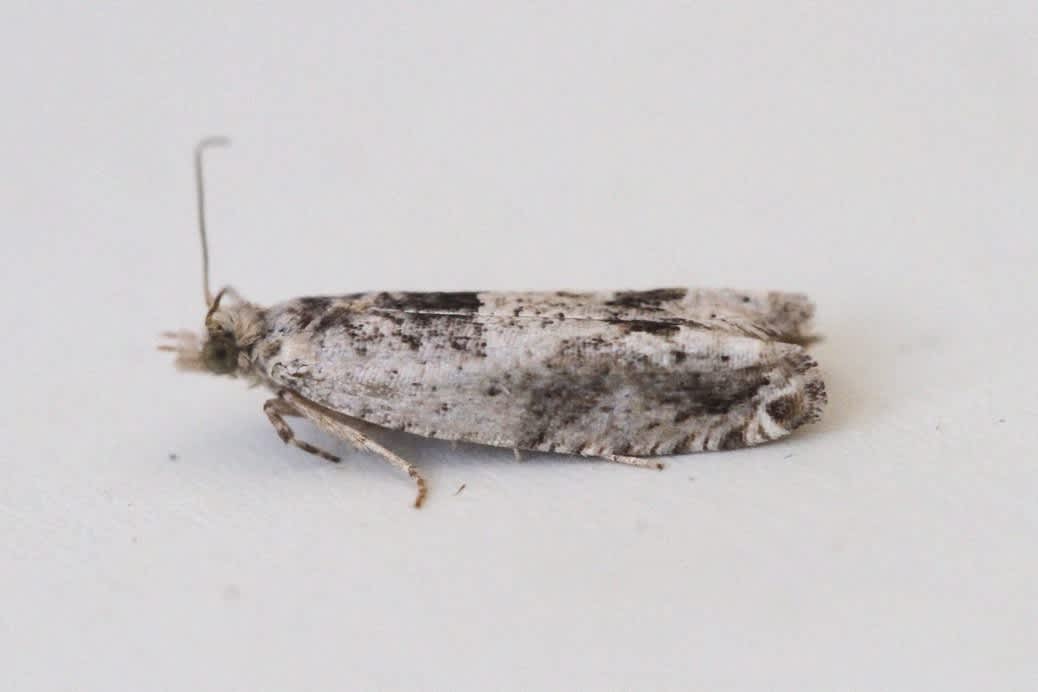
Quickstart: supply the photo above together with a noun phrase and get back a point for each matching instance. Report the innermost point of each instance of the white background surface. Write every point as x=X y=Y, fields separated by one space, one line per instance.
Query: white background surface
x=880 y=156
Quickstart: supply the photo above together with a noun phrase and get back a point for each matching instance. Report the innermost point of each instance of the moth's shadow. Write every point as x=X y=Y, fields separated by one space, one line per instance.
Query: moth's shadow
x=424 y=450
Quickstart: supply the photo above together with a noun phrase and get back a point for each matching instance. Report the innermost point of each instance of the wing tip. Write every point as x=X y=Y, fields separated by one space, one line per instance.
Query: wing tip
x=811 y=388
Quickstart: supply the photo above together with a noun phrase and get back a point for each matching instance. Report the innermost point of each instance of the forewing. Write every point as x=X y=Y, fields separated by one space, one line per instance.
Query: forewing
x=541 y=382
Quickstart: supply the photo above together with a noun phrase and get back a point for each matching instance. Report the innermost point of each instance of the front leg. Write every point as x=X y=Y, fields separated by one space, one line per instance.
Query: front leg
x=275 y=409
x=343 y=427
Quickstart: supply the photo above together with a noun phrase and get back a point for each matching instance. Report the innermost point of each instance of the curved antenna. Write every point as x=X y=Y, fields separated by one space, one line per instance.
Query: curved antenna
x=200 y=199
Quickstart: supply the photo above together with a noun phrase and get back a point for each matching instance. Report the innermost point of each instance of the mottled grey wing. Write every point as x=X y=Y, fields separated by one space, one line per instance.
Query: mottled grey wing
x=765 y=315
x=582 y=386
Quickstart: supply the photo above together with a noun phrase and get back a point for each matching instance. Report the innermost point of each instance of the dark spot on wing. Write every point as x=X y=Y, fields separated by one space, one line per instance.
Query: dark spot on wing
x=554 y=405
x=783 y=410
x=462 y=301
x=691 y=394
x=649 y=327
x=734 y=439
x=437 y=331
x=411 y=339
x=270 y=349
x=535 y=441
x=336 y=317
x=309 y=309
x=646 y=300
x=685 y=445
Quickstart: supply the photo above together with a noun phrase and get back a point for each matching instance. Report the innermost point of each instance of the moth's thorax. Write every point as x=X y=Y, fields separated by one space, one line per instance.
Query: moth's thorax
x=295 y=332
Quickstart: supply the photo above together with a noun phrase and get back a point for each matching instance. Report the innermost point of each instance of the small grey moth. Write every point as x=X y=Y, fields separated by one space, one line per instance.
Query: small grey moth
x=625 y=376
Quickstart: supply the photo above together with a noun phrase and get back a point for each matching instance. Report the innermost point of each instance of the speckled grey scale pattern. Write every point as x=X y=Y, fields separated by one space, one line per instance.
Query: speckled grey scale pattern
x=632 y=372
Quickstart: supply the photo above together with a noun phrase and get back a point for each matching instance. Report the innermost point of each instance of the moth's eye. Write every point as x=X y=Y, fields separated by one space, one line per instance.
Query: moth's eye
x=221 y=356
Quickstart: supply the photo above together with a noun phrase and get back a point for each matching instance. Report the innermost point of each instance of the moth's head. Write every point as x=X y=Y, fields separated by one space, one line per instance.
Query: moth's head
x=232 y=326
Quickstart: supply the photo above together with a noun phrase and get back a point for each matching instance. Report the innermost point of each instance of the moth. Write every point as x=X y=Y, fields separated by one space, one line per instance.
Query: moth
x=625 y=376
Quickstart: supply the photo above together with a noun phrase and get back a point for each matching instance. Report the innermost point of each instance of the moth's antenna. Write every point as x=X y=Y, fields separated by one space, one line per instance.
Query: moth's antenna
x=200 y=198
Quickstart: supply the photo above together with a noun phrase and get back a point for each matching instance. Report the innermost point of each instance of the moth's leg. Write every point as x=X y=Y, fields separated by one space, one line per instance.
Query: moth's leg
x=633 y=461
x=517 y=453
x=275 y=410
x=345 y=428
